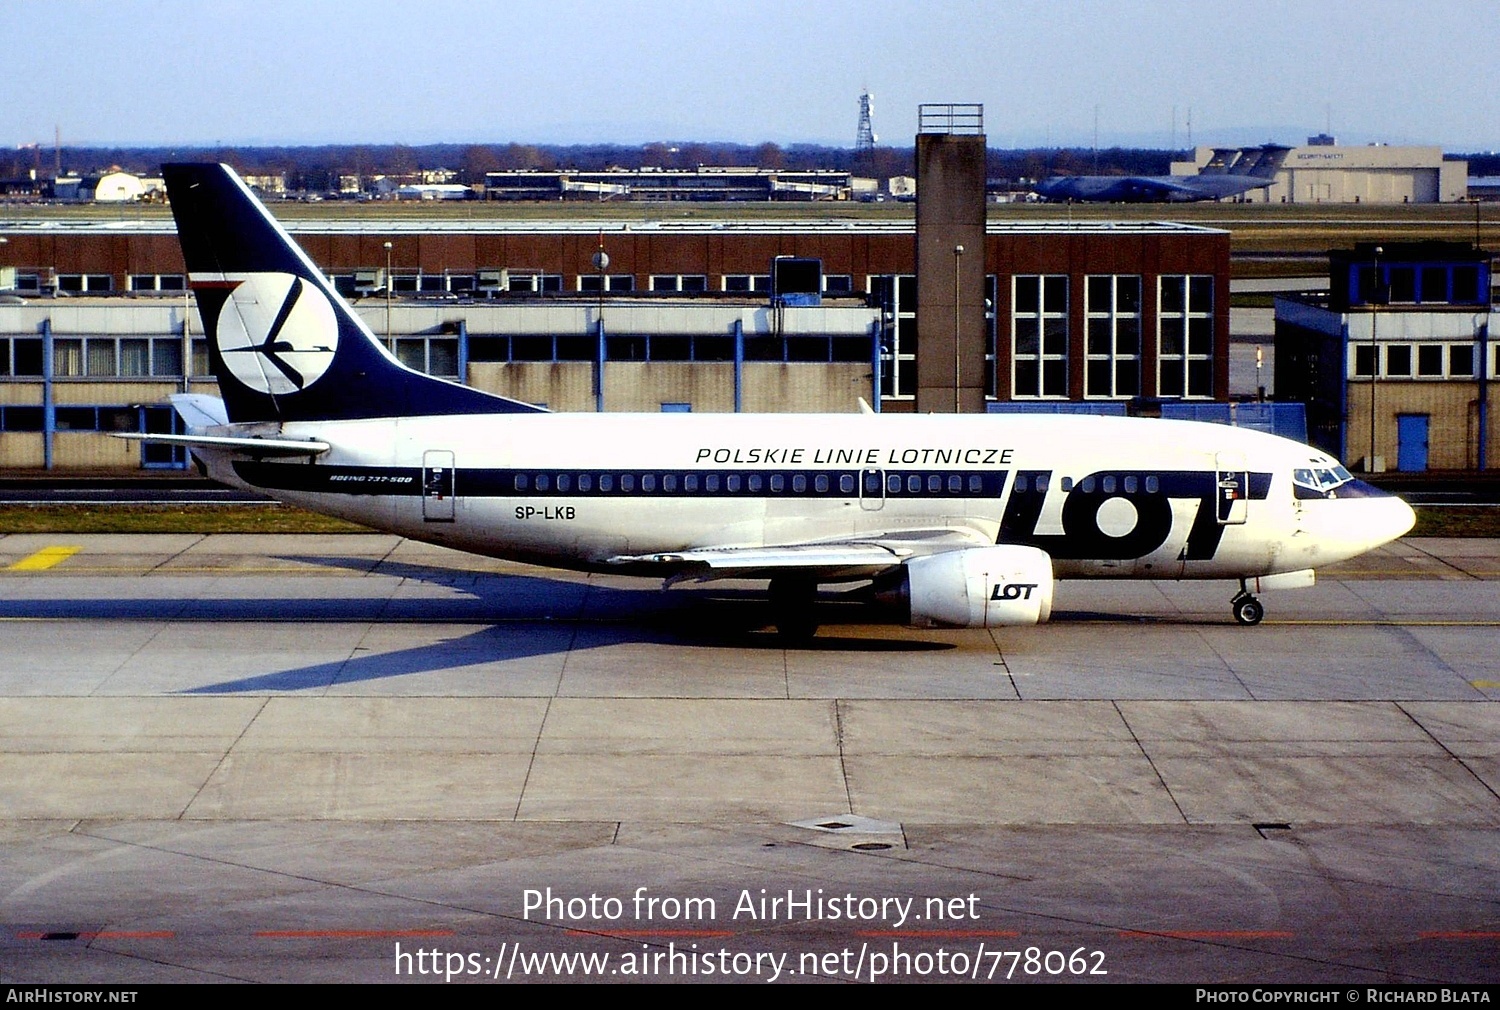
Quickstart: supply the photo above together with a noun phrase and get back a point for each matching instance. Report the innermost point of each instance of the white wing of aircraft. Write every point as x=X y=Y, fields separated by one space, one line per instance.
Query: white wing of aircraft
x=967 y=518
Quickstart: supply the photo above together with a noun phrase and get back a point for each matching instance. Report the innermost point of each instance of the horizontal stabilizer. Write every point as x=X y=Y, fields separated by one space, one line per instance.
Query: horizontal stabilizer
x=248 y=446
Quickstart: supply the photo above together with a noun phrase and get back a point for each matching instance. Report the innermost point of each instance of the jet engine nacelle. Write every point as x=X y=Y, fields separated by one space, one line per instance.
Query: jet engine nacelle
x=981 y=587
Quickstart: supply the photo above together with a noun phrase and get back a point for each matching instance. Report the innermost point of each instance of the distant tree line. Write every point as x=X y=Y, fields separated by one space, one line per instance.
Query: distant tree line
x=316 y=169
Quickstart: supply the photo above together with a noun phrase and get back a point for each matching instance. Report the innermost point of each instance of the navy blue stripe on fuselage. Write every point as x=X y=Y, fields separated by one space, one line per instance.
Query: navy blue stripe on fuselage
x=1150 y=492
x=619 y=483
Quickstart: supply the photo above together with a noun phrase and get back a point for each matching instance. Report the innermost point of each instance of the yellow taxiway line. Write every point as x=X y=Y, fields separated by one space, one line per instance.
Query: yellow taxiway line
x=44 y=559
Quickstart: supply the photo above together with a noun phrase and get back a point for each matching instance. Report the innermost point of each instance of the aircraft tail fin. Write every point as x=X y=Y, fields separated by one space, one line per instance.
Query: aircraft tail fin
x=284 y=345
x=1222 y=161
x=1262 y=162
x=1271 y=159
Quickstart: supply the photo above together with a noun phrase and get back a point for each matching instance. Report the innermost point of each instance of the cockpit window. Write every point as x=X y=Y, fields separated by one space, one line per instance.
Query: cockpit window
x=1318 y=482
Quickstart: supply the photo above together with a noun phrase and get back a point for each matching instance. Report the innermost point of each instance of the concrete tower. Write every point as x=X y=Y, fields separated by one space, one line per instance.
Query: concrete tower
x=950 y=258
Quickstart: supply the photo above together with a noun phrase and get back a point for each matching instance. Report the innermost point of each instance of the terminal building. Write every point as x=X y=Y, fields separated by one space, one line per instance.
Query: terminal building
x=659 y=185
x=1324 y=172
x=947 y=313
x=1395 y=362
x=100 y=330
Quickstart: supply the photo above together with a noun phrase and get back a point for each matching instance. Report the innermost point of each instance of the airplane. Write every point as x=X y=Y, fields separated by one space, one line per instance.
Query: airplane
x=1230 y=172
x=960 y=520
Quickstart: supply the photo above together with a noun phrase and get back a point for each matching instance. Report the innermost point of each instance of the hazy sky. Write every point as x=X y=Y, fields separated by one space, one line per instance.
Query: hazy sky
x=788 y=71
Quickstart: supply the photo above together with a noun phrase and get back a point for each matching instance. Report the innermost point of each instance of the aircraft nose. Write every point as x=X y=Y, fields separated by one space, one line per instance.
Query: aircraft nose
x=1402 y=518
x=1350 y=526
x=1373 y=516
x=1386 y=519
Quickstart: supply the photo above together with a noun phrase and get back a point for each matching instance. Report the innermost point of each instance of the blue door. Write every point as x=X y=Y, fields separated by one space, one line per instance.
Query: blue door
x=1411 y=442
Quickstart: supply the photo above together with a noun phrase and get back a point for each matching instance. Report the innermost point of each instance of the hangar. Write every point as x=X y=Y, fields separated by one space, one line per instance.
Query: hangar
x=1322 y=171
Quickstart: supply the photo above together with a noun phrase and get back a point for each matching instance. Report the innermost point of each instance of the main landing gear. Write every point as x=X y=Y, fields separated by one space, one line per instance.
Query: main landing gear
x=1247 y=609
x=792 y=602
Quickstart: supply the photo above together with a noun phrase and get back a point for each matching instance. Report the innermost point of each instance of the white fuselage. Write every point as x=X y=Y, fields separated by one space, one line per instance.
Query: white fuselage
x=1104 y=497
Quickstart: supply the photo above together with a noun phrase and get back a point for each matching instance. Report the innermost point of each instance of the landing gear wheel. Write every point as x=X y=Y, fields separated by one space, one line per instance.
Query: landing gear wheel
x=1247 y=610
x=792 y=601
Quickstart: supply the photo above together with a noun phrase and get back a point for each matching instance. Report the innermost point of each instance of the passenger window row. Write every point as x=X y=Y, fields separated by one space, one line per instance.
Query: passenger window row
x=870 y=483
x=1108 y=484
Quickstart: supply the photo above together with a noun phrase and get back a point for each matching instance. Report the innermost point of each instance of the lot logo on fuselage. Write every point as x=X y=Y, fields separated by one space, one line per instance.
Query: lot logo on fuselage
x=277 y=333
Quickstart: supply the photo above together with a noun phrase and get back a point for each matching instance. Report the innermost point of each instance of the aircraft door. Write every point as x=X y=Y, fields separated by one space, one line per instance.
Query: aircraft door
x=1231 y=489
x=872 y=490
x=437 y=486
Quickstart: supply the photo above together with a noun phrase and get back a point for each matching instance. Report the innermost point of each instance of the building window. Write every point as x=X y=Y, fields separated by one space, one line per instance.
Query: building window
x=1112 y=308
x=747 y=283
x=521 y=282
x=896 y=295
x=82 y=283
x=1039 y=337
x=1415 y=361
x=1403 y=284
x=67 y=357
x=610 y=282
x=20 y=418
x=1466 y=284
x=21 y=356
x=106 y=357
x=688 y=283
x=135 y=357
x=143 y=283
x=433 y=355
x=1185 y=328
x=991 y=336
x=1434 y=284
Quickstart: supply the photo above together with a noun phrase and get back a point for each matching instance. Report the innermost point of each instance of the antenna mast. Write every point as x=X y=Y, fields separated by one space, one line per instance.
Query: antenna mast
x=864 y=142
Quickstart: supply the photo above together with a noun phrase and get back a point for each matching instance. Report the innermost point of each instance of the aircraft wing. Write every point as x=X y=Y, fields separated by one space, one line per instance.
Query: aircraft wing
x=1164 y=187
x=859 y=557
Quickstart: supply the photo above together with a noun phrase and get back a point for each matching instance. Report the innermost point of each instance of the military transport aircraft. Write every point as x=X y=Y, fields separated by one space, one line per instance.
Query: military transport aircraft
x=966 y=518
x=1230 y=172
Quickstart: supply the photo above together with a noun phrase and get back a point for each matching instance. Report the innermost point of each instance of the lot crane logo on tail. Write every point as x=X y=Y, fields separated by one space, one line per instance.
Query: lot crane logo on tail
x=277 y=333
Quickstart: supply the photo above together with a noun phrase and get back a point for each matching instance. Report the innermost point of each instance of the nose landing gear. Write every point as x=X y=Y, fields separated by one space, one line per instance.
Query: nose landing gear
x=1246 y=608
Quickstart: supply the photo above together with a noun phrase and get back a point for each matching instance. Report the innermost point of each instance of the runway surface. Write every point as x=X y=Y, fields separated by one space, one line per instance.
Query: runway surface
x=356 y=758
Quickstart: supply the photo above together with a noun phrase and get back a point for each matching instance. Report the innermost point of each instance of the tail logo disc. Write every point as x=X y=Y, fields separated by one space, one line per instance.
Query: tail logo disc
x=277 y=333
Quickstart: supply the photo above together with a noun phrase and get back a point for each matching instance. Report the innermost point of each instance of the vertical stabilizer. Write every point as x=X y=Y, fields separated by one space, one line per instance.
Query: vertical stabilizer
x=284 y=345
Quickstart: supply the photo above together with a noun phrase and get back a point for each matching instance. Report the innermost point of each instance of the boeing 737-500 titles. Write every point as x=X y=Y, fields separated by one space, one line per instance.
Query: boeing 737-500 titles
x=967 y=519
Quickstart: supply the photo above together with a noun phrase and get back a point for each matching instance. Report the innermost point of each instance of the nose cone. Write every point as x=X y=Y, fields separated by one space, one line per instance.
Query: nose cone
x=1346 y=527
x=1402 y=518
x=1383 y=518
